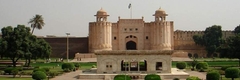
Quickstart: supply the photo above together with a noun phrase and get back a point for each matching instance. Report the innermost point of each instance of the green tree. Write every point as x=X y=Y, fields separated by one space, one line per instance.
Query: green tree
x=19 y=43
x=237 y=30
x=234 y=47
x=36 y=22
x=15 y=42
x=232 y=73
x=211 y=39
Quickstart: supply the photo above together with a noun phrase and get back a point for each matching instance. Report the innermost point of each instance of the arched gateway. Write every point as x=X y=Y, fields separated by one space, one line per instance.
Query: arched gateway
x=131 y=45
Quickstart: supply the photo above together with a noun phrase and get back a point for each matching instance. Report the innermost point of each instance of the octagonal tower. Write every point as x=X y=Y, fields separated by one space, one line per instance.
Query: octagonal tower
x=100 y=32
x=161 y=31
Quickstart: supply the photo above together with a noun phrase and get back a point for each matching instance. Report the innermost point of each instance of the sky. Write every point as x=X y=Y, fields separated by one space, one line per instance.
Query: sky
x=73 y=16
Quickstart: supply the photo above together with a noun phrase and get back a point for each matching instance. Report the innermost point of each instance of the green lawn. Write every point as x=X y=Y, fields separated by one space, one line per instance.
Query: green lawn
x=10 y=78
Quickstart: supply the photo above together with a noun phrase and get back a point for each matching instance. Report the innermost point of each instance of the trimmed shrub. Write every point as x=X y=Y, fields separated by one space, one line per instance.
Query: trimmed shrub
x=122 y=77
x=176 y=79
x=39 y=75
x=213 y=75
x=69 y=66
x=201 y=66
x=37 y=69
x=152 y=77
x=181 y=65
x=193 y=78
x=232 y=73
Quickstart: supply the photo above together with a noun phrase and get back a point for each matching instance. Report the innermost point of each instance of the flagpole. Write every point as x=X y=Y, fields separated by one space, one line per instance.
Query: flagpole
x=131 y=11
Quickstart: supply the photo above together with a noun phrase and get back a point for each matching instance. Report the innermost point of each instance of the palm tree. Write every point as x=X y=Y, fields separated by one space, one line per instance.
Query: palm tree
x=36 y=22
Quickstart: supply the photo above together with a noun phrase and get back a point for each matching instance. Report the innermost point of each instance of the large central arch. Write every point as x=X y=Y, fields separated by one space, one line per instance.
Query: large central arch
x=131 y=45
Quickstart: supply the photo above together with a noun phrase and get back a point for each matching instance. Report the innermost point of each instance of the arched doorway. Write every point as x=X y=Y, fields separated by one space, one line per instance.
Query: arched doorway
x=131 y=45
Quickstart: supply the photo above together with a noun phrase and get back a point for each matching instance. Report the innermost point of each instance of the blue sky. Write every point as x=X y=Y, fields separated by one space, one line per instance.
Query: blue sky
x=73 y=16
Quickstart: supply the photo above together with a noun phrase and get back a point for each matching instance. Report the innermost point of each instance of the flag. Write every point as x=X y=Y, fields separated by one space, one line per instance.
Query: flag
x=129 y=6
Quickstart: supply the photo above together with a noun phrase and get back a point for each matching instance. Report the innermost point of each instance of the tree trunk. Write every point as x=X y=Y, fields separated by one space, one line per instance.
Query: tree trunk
x=25 y=62
x=33 y=30
x=14 y=63
x=29 y=60
x=232 y=78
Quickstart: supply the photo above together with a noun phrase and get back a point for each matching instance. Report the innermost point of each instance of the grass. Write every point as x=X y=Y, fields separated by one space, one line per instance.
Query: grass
x=17 y=78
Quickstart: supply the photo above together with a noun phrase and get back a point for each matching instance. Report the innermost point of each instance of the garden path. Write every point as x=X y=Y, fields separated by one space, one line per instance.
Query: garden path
x=68 y=76
x=201 y=75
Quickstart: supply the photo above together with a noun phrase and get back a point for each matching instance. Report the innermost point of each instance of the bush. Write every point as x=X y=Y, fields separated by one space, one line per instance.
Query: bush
x=69 y=66
x=37 y=69
x=193 y=78
x=94 y=66
x=213 y=75
x=152 y=77
x=232 y=73
x=77 y=65
x=122 y=77
x=19 y=68
x=39 y=75
x=181 y=65
x=8 y=70
x=176 y=79
x=202 y=65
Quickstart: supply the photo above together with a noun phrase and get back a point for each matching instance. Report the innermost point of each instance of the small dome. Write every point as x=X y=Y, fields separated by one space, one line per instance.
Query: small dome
x=101 y=12
x=160 y=12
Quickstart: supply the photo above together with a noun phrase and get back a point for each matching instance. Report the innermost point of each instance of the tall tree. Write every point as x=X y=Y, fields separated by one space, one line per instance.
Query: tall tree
x=211 y=39
x=39 y=48
x=237 y=30
x=36 y=22
x=234 y=47
x=15 y=42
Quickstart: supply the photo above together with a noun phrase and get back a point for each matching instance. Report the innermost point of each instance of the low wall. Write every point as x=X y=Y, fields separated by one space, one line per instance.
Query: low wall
x=133 y=76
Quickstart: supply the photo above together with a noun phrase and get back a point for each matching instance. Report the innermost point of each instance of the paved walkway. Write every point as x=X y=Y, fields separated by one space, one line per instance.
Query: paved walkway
x=201 y=75
x=68 y=76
